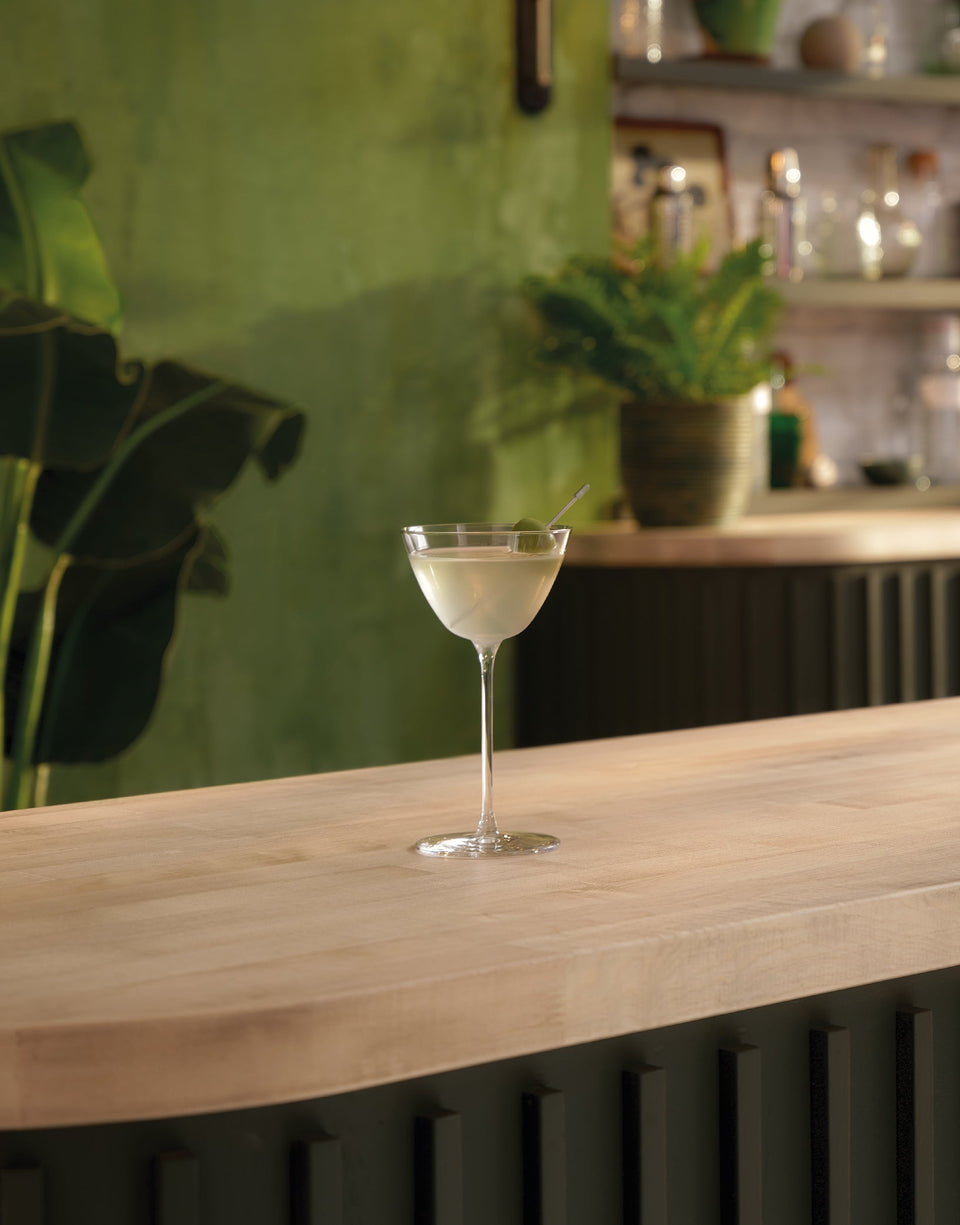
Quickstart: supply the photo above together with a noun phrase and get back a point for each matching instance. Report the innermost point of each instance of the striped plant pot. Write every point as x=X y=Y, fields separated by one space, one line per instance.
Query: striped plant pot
x=687 y=465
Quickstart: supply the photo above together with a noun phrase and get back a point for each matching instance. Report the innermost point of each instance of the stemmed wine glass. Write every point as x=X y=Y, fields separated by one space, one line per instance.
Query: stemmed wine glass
x=486 y=582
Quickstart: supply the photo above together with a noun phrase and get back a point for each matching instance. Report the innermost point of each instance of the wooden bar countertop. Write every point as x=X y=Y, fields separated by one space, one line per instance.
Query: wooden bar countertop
x=813 y=538
x=205 y=950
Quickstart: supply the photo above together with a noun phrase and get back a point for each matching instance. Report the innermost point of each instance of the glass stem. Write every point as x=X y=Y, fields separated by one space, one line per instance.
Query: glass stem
x=487 y=831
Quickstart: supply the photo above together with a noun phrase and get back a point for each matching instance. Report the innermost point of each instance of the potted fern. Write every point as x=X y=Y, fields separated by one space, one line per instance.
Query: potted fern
x=684 y=349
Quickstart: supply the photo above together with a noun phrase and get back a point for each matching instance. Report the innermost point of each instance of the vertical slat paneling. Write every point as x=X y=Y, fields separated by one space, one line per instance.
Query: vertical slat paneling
x=767 y=679
x=176 y=1189
x=873 y=634
x=664 y=664
x=938 y=631
x=591 y=709
x=438 y=1169
x=923 y=646
x=723 y=646
x=889 y=628
x=21 y=1196
x=544 y=1158
x=830 y=1125
x=658 y=648
x=316 y=1190
x=915 y=1117
x=685 y=693
x=907 y=633
x=951 y=588
x=808 y=643
x=645 y=1146
x=849 y=647
x=575 y=613
x=741 y=1185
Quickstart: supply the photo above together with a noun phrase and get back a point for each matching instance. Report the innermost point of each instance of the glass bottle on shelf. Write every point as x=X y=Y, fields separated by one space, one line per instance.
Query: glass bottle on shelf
x=786 y=430
x=889 y=240
x=924 y=201
x=638 y=28
x=836 y=247
x=783 y=218
x=653 y=30
x=872 y=18
x=938 y=392
x=761 y=400
x=671 y=213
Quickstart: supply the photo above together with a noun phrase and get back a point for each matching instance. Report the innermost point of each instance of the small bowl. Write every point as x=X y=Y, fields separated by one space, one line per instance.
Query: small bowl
x=901 y=471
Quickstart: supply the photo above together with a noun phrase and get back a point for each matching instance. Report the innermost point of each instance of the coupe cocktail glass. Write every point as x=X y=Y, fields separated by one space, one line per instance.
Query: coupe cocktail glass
x=486 y=582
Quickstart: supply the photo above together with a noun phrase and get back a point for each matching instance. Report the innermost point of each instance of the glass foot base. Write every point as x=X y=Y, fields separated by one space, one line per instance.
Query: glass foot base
x=469 y=846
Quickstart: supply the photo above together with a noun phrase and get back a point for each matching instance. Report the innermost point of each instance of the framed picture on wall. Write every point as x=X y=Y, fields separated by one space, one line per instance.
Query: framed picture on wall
x=641 y=147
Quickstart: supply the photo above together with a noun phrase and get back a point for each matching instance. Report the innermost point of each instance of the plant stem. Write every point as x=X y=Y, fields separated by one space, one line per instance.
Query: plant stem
x=14 y=529
x=56 y=683
x=41 y=785
x=19 y=784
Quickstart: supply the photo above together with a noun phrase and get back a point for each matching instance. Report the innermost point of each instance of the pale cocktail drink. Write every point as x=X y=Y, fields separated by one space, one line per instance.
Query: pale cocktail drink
x=485 y=582
x=485 y=593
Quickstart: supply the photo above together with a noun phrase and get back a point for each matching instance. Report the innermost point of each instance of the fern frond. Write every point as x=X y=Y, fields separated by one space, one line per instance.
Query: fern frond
x=659 y=329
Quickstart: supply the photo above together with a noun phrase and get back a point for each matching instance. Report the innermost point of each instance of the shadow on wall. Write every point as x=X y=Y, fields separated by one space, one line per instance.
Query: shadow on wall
x=410 y=390
x=413 y=393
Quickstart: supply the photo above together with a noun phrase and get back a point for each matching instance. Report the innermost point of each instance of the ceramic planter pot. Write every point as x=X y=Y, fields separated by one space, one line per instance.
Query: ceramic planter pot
x=687 y=465
x=738 y=29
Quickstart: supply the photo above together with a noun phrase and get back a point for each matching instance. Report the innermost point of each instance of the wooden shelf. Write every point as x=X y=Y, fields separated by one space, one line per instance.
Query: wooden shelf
x=895 y=293
x=883 y=498
x=719 y=74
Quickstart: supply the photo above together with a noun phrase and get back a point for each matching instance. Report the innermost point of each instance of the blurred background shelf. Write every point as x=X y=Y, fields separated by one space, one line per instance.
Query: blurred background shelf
x=864 y=497
x=717 y=74
x=942 y=294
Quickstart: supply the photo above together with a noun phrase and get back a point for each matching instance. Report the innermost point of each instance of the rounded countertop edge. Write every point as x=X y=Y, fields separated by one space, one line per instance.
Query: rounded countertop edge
x=102 y=1073
x=849 y=876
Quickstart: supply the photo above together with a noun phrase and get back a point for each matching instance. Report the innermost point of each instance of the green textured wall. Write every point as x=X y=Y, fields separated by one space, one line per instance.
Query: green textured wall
x=334 y=201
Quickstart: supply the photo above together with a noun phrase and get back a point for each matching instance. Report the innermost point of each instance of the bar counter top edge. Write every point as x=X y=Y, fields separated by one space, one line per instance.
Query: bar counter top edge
x=840 y=537
x=258 y=943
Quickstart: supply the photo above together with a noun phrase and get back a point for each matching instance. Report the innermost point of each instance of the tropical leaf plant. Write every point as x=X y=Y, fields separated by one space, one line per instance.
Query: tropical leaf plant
x=49 y=248
x=664 y=331
x=108 y=469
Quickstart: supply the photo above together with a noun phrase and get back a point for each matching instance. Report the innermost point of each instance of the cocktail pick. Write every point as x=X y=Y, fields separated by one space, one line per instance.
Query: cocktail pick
x=563 y=509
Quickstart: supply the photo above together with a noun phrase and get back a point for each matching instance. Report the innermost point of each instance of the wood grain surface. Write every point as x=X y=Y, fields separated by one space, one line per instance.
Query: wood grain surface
x=816 y=538
x=204 y=950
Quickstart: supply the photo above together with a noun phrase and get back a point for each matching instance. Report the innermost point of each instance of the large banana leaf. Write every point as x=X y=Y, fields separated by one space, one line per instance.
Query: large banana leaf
x=131 y=458
x=49 y=249
x=170 y=474
x=114 y=627
x=67 y=398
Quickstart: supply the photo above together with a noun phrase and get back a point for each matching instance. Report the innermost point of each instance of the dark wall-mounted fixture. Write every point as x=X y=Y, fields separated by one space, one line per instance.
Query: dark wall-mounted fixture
x=534 y=54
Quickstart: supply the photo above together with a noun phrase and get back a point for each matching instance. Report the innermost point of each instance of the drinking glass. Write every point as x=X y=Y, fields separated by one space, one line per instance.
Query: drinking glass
x=486 y=582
